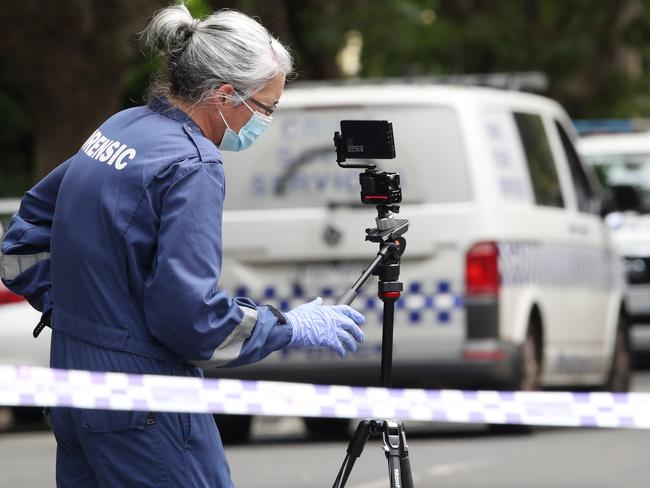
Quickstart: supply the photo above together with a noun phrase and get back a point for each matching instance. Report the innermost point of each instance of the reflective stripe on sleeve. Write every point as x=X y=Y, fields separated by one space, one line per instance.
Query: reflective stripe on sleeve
x=12 y=265
x=230 y=348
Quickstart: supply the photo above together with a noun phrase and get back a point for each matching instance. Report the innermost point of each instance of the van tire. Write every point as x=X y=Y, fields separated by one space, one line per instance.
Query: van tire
x=234 y=429
x=620 y=371
x=327 y=428
x=529 y=362
x=527 y=373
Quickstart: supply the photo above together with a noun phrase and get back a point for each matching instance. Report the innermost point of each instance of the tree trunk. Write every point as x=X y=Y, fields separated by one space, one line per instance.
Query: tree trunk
x=70 y=59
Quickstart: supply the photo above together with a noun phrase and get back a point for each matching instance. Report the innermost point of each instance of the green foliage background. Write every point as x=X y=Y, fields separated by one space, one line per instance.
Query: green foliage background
x=596 y=54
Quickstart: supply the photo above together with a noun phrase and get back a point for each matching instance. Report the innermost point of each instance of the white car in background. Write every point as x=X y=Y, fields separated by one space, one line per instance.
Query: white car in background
x=622 y=162
x=17 y=321
x=18 y=318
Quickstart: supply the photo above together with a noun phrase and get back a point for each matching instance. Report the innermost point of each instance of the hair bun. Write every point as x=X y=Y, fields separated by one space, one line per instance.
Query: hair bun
x=170 y=30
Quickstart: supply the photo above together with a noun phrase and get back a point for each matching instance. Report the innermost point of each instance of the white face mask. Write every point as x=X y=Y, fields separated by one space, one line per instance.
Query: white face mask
x=247 y=135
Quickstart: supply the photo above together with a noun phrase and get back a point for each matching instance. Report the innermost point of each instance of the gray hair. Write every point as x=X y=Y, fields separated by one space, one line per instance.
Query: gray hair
x=227 y=47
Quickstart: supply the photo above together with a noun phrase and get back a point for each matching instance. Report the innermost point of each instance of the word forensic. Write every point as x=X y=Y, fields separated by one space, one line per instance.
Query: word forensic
x=109 y=151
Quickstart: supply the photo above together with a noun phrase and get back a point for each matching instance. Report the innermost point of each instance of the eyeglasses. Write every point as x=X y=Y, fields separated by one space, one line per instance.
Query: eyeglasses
x=266 y=108
x=269 y=110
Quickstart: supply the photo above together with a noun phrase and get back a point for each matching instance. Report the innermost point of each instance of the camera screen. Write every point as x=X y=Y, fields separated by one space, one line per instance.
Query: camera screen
x=367 y=139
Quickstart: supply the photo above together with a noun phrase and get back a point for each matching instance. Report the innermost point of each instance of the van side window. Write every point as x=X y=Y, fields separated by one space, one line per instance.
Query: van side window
x=543 y=174
x=584 y=192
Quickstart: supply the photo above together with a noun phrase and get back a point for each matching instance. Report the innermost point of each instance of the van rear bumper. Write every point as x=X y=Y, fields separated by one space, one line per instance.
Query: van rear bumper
x=497 y=372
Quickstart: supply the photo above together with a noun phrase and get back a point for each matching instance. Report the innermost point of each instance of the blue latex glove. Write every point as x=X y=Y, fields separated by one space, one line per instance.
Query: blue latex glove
x=335 y=327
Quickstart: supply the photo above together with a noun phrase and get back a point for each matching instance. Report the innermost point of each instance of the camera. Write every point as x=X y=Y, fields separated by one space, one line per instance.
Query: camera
x=369 y=139
x=380 y=188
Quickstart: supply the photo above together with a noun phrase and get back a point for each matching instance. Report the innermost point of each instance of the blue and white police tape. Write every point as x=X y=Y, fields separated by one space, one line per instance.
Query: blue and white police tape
x=32 y=386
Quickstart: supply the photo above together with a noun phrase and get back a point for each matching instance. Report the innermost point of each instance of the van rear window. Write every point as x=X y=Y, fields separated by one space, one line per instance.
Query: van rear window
x=293 y=164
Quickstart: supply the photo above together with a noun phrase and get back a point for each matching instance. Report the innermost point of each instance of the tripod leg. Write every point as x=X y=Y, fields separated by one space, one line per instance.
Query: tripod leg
x=344 y=472
x=404 y=461
x=407 y=476
x=355 y=448
x=396 y=449
x=399 y=471
x=394 y=472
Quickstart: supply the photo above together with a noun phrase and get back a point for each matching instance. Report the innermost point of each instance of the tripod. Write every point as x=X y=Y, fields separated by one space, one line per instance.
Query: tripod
x=386 y=266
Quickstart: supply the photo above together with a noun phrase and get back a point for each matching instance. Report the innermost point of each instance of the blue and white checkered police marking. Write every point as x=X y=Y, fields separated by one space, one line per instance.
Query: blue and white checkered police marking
x=30 y=386
x=423 y=303
x=527 y=263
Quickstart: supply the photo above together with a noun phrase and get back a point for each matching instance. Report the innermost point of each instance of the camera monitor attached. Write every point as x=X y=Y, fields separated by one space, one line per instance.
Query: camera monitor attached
x=364 y=139
x=369 y=139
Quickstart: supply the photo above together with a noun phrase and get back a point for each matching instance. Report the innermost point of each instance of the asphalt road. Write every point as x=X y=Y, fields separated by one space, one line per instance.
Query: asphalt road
x=281 y=455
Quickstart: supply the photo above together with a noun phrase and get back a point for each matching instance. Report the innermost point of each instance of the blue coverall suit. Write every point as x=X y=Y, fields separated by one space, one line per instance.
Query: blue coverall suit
x=123 y=243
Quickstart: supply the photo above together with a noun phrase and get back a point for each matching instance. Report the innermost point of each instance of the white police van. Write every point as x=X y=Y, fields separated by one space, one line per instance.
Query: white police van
x=510 y=277
x=622 y=161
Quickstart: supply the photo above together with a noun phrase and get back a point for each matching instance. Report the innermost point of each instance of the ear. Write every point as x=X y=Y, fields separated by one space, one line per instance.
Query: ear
x=222 y=95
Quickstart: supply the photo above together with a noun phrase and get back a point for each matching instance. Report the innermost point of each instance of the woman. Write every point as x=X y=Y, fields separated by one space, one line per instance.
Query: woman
x=122 y=245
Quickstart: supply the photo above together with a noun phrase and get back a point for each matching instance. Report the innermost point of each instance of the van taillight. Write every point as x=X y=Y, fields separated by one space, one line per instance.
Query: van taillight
x=7 y=296
x=482 y=269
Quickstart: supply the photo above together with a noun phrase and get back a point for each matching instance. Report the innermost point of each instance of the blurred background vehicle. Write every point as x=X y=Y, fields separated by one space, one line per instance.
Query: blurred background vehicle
x=511 y=281
x=17 y=320
x=619 y=150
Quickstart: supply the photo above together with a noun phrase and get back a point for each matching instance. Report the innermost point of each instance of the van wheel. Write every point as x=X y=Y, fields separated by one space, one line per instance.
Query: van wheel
x=234 y=429
x=529 y=367
x=620 y=372
x=327 y=428
x=527 y=374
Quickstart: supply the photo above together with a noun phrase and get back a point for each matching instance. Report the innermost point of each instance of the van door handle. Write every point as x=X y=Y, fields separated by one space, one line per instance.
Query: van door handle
x=579 y=229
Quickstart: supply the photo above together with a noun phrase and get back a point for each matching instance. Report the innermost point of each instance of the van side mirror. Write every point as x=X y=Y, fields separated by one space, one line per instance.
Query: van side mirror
x=623 y=198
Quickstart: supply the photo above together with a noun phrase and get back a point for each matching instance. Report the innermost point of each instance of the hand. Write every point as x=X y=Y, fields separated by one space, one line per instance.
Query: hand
x=335 y=327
